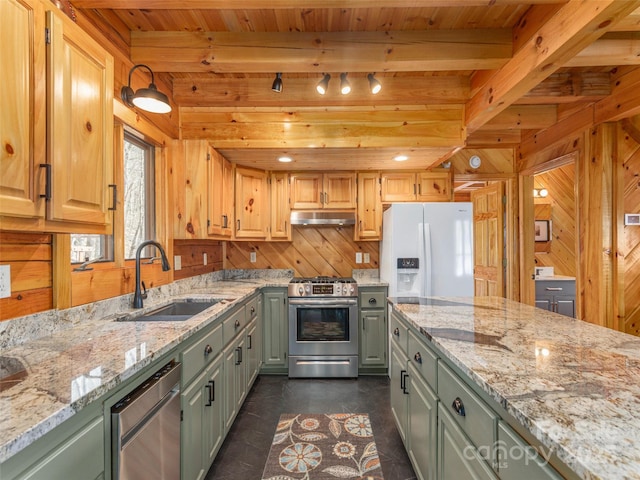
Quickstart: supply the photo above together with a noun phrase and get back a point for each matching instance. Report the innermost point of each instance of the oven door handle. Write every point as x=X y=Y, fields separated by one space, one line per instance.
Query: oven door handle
x=320 y=302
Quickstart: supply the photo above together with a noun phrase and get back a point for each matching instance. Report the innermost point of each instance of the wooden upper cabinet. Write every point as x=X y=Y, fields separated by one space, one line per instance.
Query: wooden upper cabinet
x=80 y=122
x=280 y=227
x=252 y=207
x=416 y=186
x=22 y=116
x=220 y=196
x=312 y=191
x=369 y=211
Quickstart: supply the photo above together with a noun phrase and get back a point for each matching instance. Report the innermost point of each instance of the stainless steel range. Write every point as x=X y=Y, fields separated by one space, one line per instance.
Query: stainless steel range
x=323 y=327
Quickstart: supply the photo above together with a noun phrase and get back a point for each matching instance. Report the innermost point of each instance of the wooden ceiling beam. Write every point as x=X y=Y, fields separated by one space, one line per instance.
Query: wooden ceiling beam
x=569 y=87
x=611 y=50
x=301 y=92
x=567 y=32
x=292 y=4
x=318 y=52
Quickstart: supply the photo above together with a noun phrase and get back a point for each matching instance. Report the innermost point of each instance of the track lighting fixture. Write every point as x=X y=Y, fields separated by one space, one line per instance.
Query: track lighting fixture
x=374 y=85
x=323 y=84
x=345 y=86
x=277 y=83
x=149 y=99
x=540 y=192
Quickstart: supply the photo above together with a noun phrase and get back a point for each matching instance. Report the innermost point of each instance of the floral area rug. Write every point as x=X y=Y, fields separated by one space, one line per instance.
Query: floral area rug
x=323 y=447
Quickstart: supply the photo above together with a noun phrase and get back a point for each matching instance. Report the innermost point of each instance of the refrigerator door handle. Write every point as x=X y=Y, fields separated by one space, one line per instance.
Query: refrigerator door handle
x=427 y=260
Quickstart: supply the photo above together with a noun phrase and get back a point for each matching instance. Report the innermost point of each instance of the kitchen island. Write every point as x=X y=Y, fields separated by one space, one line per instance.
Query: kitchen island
x=571 y=387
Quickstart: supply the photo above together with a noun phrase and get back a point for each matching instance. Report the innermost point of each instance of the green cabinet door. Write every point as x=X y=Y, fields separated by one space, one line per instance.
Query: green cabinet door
x=373 y=334
x=213 y=415
x=254 y=352
x=235 y=379
x=275 y=332
x=399 y=393
x=422 y=425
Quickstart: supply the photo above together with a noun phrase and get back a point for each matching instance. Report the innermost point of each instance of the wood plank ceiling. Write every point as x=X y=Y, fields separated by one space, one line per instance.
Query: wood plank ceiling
x=455 y=74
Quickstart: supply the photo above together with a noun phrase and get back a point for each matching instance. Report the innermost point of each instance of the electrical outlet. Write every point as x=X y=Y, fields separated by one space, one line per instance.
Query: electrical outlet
x=367 y=258
x=358 y=257
x=252 y=257
x=177 y=262
x=204 y=258
x=5 y=281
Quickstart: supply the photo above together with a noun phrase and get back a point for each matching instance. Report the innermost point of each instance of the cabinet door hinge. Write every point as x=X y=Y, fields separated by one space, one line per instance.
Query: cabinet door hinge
x=47 y=36
x=504 y=262
x=208 y=222
x=504 y=199
x=208 y=156
x=181 y=415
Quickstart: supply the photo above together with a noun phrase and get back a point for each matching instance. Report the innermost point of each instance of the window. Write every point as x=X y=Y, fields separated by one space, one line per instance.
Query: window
x=139 y=194
x=139 y=207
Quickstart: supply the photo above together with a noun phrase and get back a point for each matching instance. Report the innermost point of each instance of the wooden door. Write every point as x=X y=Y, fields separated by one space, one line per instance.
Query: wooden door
x=80 y=113
x=369 y=226
x=280 y=209
x=434 y=186
x=306 y=191
x=22 y=116
x=488 y=242
x=339 y=190
x=252 y=209
x=398 y=187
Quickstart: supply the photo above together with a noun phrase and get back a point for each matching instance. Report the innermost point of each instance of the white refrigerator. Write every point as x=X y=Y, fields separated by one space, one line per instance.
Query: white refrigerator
x=427 y=249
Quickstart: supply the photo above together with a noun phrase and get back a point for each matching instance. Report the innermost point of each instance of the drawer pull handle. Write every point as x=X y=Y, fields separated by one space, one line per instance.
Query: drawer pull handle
x=237 y=324
x=418 y=358
x=403 y=381
x=372 y=301
x=554 y=289
x=458 y=407
x=207 y=350
x=396 y=332
x=212 y=392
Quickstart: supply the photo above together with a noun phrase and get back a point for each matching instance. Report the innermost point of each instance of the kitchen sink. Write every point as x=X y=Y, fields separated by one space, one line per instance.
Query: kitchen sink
x=177 y=311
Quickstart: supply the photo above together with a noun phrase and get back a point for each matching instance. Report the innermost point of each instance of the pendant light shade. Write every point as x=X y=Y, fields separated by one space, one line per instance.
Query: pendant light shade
x=149 y=99
x=277 y=83
x=374 y=85
x=345 y=86
x=323 y=84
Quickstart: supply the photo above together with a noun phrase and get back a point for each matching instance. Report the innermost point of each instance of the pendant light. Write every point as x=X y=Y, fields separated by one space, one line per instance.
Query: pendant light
x=323 y=84
x=149 y=99
x=277 y=83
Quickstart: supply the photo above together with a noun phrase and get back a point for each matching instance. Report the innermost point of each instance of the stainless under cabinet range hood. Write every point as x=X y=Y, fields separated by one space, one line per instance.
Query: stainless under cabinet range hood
x=323 y=218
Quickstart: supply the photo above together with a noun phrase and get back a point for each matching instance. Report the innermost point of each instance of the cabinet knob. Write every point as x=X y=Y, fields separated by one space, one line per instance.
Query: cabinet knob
x=253 y=310
x=396 y=332
x=207 y=350
x=372 y=301
x=458 y=407
x=237 y=324
x=418 y=358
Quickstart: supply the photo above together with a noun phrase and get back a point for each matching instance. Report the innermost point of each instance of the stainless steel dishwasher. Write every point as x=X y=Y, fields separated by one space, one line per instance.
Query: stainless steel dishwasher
x=145 y=429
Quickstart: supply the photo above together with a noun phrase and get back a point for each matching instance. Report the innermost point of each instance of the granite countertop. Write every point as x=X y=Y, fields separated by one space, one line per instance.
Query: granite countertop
x=61 y=372
x=574 y=385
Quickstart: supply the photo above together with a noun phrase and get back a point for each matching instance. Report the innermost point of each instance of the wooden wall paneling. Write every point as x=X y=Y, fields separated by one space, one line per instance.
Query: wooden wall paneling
x=312 y=251
x=628 y=240
x=192 y=252
x=512 y=236
x=30 y=257
x=526 y=217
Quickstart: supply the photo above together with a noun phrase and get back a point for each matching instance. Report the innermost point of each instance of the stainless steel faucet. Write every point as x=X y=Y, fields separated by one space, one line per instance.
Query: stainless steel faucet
x=139 y=295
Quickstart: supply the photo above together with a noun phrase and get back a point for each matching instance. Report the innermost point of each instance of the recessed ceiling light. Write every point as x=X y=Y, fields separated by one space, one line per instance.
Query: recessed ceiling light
x=400 y=158
x=285 y=159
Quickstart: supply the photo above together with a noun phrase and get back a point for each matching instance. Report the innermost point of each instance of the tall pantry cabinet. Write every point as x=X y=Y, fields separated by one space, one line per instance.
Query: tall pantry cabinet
x=56 y=164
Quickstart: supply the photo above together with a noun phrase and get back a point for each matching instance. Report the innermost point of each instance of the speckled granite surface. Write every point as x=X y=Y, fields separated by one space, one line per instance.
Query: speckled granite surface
x=575 y=386
x=72 y=357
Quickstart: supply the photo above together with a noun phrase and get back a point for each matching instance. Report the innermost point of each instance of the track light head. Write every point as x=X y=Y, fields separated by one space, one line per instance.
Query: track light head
x=345 y=86
x=276 y=86
x=374 y=85
x=323 y=84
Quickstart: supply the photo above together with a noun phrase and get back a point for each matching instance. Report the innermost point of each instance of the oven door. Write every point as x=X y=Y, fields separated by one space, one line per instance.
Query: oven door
x=323 y=326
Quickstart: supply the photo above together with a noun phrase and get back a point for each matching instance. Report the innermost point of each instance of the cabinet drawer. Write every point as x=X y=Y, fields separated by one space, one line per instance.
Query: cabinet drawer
x=399 y=333
x=425 y=361
x=251 y=309
x=555 y=287
x=201 y=353
x=233 y=324
x=517 y=459
x=372 y=299
x=479 y=421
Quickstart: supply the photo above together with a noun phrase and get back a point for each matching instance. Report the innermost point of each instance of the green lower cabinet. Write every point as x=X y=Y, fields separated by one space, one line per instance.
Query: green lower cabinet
x=422 y=425
x=458 y=458
x=275 y=331
x=518 y=460
x=254 y=351
x=235 y=378
x=202 y=429
x=373 y=332
x=398 y=391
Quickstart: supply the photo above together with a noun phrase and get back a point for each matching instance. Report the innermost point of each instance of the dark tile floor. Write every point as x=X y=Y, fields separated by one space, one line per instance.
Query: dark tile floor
x=245 y=450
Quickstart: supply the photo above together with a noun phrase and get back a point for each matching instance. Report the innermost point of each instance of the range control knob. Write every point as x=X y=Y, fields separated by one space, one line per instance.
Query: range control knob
x=300 y=291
